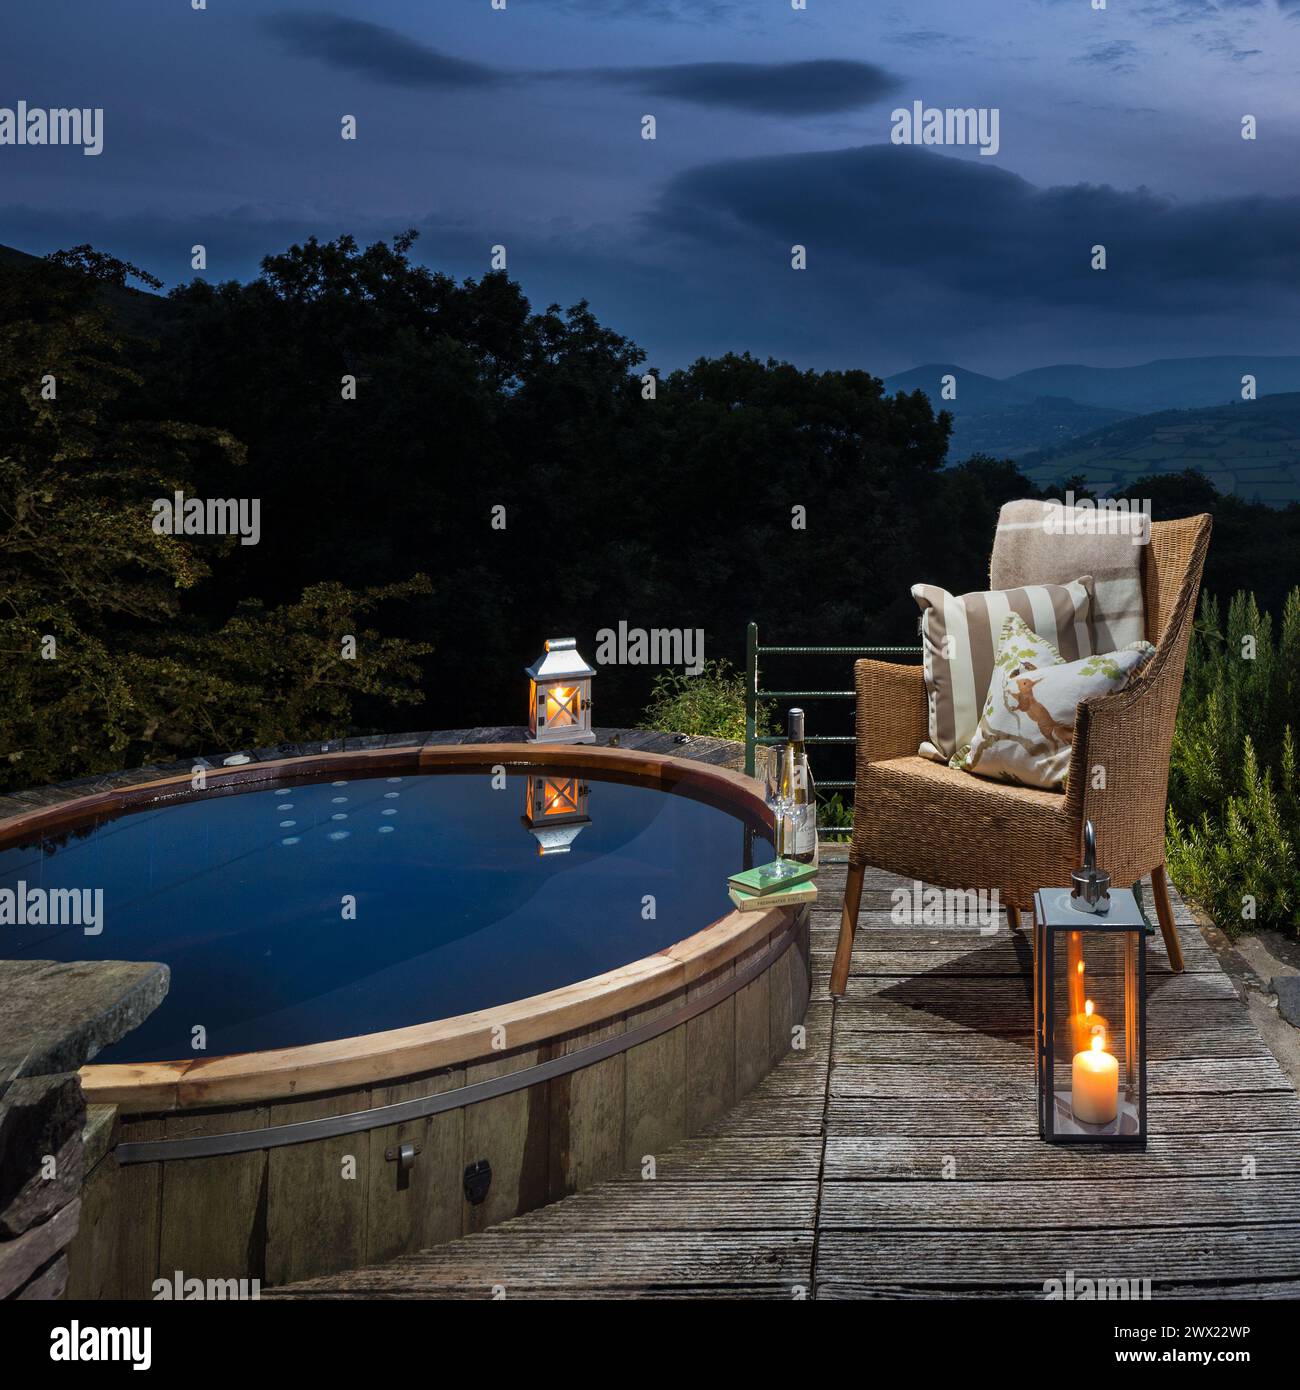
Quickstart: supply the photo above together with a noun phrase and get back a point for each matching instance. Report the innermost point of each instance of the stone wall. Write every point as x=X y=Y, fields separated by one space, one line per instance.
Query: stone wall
x=53 y=1018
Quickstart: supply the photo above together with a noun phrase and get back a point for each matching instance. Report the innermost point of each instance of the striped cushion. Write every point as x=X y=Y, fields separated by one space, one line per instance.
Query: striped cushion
x=960 y=636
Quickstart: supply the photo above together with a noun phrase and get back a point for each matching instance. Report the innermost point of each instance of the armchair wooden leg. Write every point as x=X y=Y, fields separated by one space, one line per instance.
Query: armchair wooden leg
x=848 y=925
x=1165 y=915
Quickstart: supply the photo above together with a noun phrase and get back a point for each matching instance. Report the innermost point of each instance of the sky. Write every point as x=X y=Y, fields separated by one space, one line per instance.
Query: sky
x=523 y=127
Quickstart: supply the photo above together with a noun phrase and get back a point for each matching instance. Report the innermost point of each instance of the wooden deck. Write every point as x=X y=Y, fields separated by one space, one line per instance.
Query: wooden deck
x=898 y=1156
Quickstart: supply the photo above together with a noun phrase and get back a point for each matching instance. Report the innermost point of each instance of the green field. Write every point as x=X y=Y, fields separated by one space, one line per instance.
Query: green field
x=1250 y=449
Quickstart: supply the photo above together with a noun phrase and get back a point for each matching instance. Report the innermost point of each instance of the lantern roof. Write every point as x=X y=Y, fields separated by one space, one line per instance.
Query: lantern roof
x=1057 y=913
x=558 y=839
x=560 y=661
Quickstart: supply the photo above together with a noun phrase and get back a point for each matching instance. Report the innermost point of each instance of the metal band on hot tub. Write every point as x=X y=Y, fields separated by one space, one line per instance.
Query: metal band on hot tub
x=246 y=1140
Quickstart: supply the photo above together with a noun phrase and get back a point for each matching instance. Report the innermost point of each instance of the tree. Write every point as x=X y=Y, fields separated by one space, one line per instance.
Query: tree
x=108 y=658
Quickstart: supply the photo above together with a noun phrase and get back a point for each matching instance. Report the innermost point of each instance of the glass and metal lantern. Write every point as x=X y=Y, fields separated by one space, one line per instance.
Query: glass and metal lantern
x=556 y=810
x=559 y=695
x=1090 y=1009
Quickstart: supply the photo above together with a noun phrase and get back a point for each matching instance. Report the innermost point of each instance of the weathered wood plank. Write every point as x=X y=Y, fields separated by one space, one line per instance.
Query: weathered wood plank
x=1082 y=1205
x=213 y=1209
x=587 y=1114
x=424 y=1206
x=710 y=1053
x=645 y=1205
x=753 y=1034
x=1014 y=1157
x=655 y=1114
x=1181 y=1114
x=512 y=1133
x=993 y=955
x=316 y=1194
x=1014 y=1082
x=521 y=1257
x=1026 y=1259
x=1008 y=1017
x=115 y=1251
x=1231 y=1040
x=731 y=1158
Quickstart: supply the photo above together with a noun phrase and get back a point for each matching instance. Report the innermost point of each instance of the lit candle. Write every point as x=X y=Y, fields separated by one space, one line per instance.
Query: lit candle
x=1086 y=1025
x=1094 y=1094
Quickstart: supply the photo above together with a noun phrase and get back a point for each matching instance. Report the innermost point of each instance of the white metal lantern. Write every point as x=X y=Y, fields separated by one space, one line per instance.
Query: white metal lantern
x=556 y=810
x=559 y=695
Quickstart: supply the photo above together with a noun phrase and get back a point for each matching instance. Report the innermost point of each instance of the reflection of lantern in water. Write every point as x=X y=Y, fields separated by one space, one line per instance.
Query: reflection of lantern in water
x=556 y=810
x=559 y=695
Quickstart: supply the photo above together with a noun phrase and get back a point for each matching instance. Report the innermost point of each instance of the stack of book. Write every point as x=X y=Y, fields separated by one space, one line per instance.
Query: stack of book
x=782 y=883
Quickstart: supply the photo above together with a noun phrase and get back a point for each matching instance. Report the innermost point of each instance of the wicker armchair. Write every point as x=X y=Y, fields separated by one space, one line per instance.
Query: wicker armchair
x=927 y=821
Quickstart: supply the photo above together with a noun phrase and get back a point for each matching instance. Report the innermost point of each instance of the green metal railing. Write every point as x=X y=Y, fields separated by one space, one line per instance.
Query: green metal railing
x=754 y=693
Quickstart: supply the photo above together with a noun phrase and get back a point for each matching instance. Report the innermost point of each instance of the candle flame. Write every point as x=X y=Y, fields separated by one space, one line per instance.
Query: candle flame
x=1087 y=1006
x=1079 y=967
x=1098 y=1040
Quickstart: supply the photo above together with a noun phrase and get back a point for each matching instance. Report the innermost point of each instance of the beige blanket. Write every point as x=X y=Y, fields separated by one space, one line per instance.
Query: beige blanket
x=1047 y=543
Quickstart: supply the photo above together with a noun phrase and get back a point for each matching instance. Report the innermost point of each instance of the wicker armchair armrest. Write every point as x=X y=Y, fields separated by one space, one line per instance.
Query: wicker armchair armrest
x=1119 y=765
x=892 y=712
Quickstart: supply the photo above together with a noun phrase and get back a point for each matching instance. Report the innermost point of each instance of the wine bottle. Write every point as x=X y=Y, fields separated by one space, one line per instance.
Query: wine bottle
x=799 y=842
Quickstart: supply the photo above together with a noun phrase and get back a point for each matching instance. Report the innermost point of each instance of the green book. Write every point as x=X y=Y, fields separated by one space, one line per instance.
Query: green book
x=789 y=896
x=768 y=878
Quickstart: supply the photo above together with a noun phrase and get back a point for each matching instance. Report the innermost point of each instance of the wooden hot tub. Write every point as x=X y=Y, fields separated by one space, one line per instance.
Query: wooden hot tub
x=285 y=1163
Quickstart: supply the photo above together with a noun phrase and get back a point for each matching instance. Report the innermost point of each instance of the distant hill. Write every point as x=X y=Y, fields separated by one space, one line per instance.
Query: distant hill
x=1046 y=407
x=1249 y=448
x=139 y=311
x=1175 y=383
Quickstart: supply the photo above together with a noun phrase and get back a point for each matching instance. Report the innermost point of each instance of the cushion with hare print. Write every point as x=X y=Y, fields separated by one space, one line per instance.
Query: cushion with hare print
x=1026 y=729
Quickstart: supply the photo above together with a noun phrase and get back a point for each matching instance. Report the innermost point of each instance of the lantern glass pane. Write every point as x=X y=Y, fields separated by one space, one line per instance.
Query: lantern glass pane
x=559 y=796
x=563 y=706
x=1096 y=1072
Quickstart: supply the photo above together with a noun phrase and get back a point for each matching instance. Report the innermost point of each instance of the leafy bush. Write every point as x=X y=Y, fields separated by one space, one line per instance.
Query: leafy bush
x=834 y=816
x=1234 y=813
x=710 y=705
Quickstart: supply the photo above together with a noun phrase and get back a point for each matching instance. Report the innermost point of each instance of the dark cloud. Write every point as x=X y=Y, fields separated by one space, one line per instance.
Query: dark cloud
x=374 y=51
x=1165 y=12
x=1226 y=44
x=808 y=88
x=963 y=227
x=691 y=11
x=814 y=87
x=1116 y=56
x=921 y=38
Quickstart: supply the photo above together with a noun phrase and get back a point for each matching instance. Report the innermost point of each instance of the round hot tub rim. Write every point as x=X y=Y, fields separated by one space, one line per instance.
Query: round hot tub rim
x=381 y=1057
